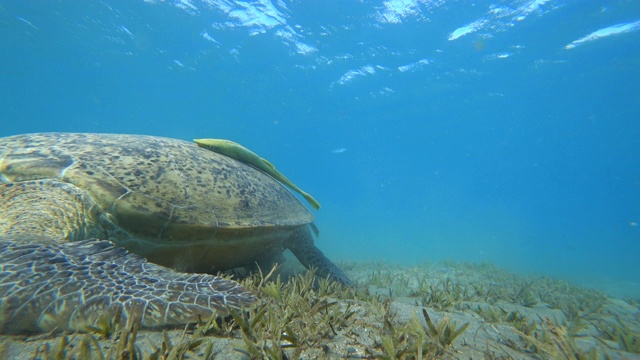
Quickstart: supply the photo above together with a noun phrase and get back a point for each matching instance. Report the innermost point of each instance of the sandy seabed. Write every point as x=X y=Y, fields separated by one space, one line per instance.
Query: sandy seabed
x=433 y=311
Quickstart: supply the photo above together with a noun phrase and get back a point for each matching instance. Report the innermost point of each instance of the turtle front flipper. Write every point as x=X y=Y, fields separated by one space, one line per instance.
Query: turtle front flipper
x=300 y=243
x=51 y=286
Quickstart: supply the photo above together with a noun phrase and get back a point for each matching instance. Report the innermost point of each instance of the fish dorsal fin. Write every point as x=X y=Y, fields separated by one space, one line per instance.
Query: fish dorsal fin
x=268 y=163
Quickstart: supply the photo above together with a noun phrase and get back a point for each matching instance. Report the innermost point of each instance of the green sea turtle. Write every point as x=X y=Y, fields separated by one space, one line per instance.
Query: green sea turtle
x=162 y=209
x=239 y=152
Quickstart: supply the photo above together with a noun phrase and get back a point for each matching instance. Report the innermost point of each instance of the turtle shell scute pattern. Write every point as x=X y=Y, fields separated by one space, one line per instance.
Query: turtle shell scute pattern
x=155 y=187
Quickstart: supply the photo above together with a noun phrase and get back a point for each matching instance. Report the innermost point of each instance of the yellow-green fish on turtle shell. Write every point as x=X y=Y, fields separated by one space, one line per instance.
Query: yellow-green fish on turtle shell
x=241 y=153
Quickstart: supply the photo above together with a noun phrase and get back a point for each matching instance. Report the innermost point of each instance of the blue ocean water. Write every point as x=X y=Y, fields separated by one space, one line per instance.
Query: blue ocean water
x=500 y=131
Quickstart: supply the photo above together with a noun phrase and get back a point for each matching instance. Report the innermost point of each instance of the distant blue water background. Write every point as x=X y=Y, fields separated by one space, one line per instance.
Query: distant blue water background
x=498 y=131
